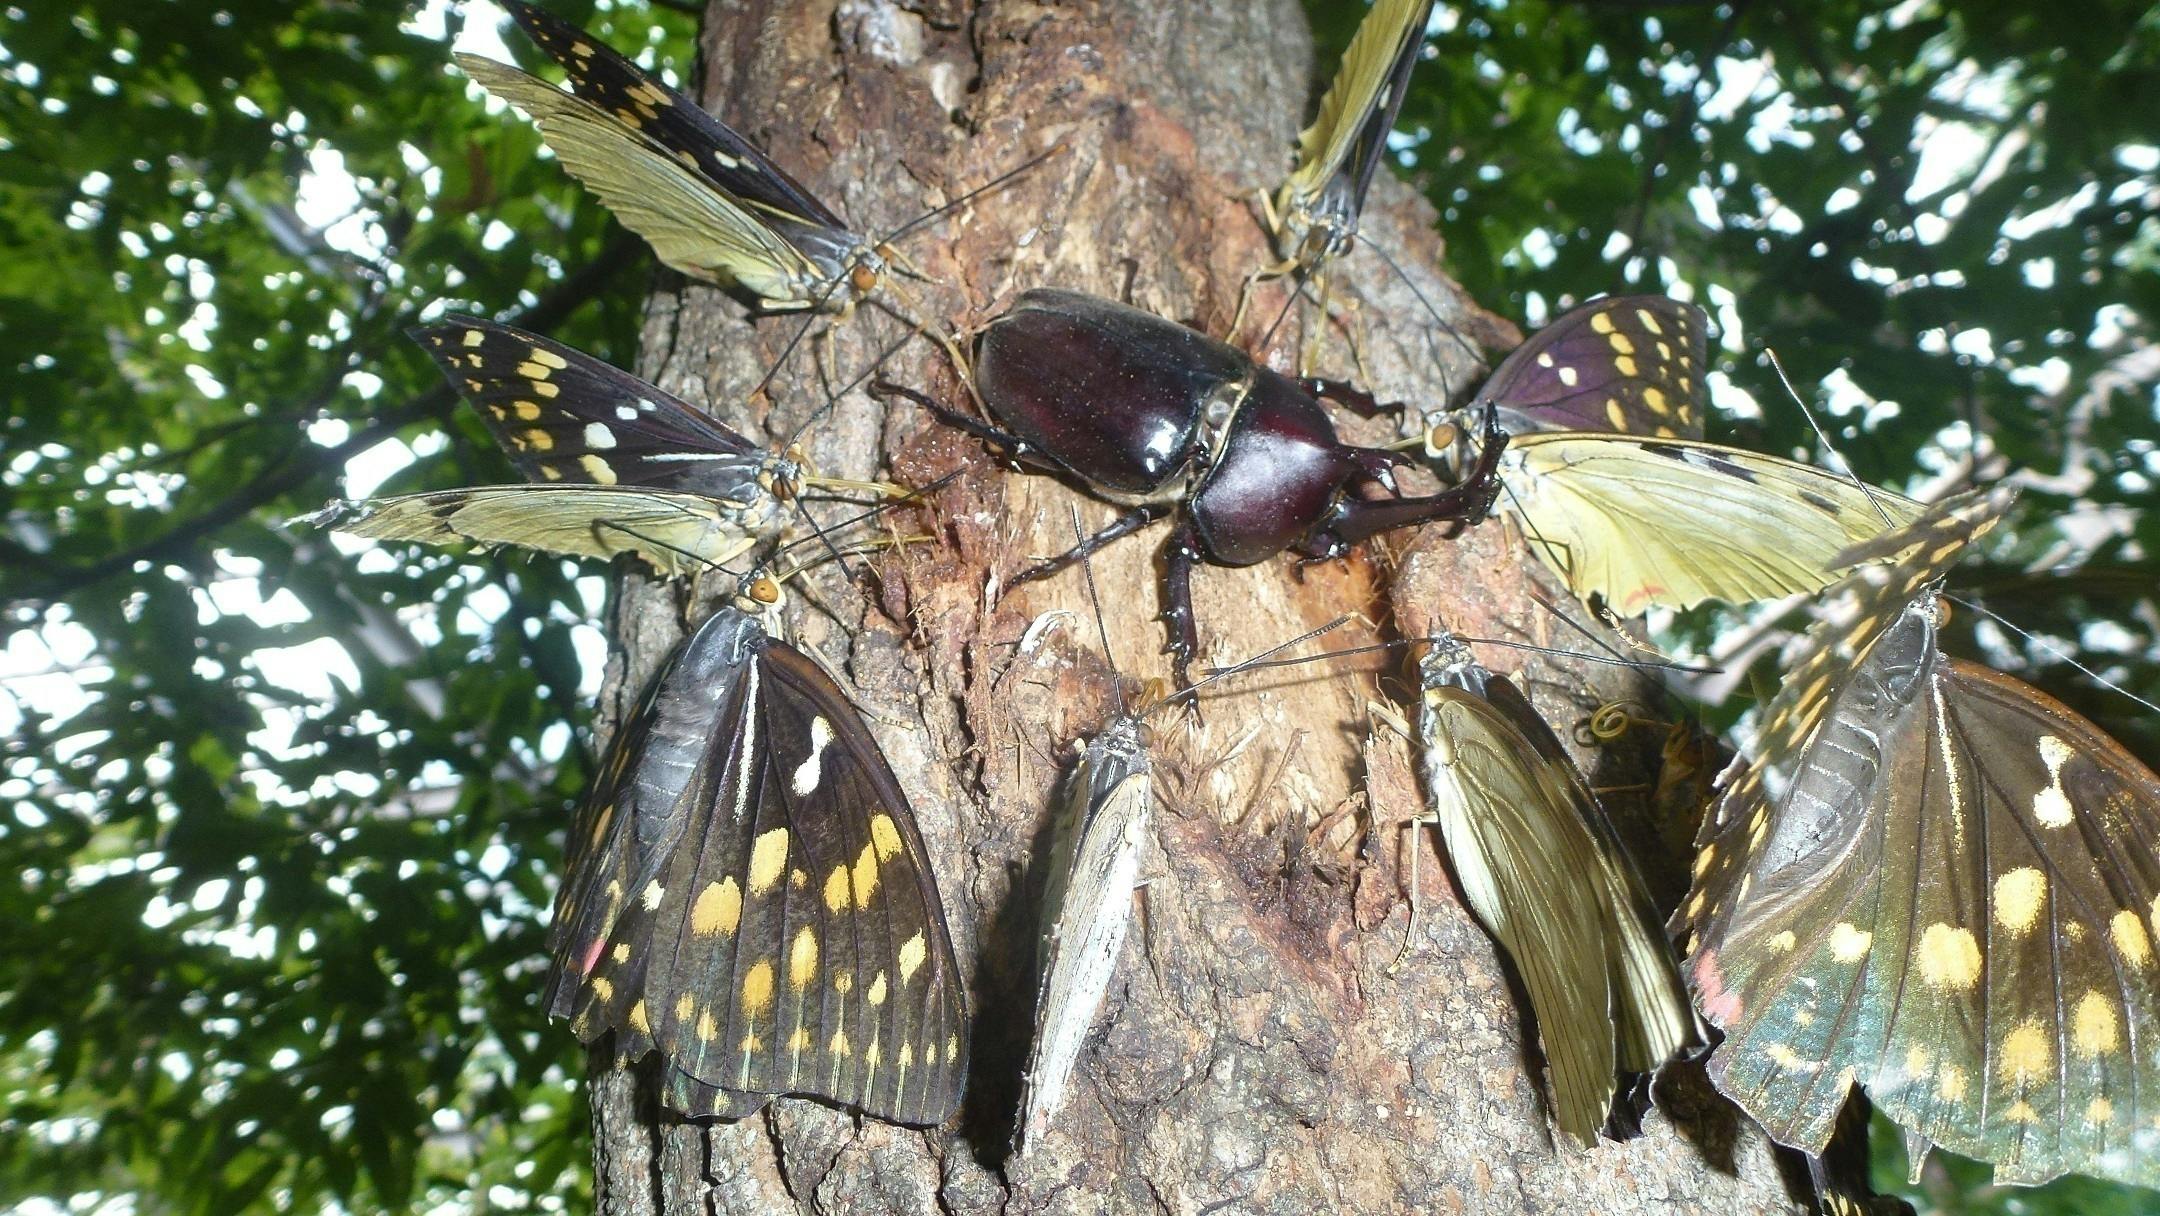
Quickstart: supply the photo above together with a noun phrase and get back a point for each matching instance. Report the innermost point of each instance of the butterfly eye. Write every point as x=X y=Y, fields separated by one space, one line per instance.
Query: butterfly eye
x=863 y=277
x=763 y=590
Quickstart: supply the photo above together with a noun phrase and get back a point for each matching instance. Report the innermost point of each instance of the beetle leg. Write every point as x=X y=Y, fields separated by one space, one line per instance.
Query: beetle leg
x=1009 y=446
x=1349 y=396
x=1180 y=552
x=1124 y=525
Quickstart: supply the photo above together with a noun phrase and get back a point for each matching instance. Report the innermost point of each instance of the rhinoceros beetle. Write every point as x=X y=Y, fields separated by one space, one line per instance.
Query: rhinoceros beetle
x=1147 y=413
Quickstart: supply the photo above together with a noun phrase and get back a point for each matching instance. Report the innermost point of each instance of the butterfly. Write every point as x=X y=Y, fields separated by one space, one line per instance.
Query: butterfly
x=614 y=464
x=1314 y=213
x=1630 y=514
x=748 y=895
x=1632 y=364
x=708 y=201
x=1104 y=816
x=1930 y=880
x=1545 y=873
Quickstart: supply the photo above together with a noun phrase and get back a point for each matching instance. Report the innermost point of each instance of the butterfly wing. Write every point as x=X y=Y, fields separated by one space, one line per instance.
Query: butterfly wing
x=793 y=941
x=1643 y=522
x=1535 y=860
x=675 y=533
x=1339 y=152
x=678 y=125
x=1931 y=880
x=564 y=416
x=637 y=808
x=1633 y=364
x=1087 y=907
x=693 y=226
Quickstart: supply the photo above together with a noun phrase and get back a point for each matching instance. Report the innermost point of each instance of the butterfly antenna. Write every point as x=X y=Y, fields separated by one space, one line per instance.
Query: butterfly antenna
x=810 y=316
x=1265 y=658
x=970 y=196
x=1555 y=553
x=1476 y=355
x=832 y=400
x=1822 y=437
x=695 y=559
x=1102 y=631
x=1435 y=639
x=2052 y=650
x=1297 y=288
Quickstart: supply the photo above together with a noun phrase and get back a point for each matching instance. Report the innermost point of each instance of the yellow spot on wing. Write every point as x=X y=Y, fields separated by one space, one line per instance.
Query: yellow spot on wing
x=1784 y=942
x=1654 y=397
x=536 y=439
x=876 y=995
x=839 y=1043
x=768 y=857
x=2130 y=939
x=885 y=835
x=2095 y=1028
x=2019 y=895
x=603 y=988
x=802 y=959
x=708 y=1030
x=621 y=953
x=1601 y=322
x=866 y=875
x=1848 y=943
x=1951 y=1085
x=757 y=989
x=638 y=1020
x=597 y=469
x=685 y=1005
x=1649 y=320
x=534 y=371
x=474 y=337
x=912 y=954
x=652 y=895
x=2021 y=1111
x=1624 y=365
x=836 y=890
x=548 y=357
x=1917 y=1062
x=1621 y=344
x=2099 y=1110
x=2026 y=1055
x=718 y=909
x=1949 y=957
x=541 y=388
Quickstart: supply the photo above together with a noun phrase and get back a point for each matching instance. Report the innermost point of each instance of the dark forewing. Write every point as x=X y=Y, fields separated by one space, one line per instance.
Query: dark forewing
x=793 y=941
x=564 y=416
x=1624 y=363
x=604 y=77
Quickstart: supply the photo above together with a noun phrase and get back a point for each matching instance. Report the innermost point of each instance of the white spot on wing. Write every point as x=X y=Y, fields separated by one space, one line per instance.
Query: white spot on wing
x=809 y=771
x=597 y=436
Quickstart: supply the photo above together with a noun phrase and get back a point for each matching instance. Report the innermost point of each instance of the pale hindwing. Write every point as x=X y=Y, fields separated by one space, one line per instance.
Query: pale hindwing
x=1087 y=908
x=692 y=226
x=1522 y=854
x=1670 y=523
x=1366 y=68
x=675 y=533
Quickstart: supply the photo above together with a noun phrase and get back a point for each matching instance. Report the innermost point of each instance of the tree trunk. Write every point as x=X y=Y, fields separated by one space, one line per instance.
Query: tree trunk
x=1256 y=1052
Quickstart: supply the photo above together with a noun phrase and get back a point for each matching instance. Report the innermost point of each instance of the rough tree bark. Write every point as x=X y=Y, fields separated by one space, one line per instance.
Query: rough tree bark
x=1256 y=1053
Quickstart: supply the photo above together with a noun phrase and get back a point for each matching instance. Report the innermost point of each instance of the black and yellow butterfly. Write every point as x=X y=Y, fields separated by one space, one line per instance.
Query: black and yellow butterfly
x=615 y=465
x=1932 y=881
x=708 y=201
x=1545 y=872
x=748 y=895
x=1314 y=213
x=1630 y=513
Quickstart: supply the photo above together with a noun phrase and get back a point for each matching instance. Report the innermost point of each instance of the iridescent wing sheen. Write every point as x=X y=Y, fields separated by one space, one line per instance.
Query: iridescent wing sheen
x=1633 y=364
x=1933 y=881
